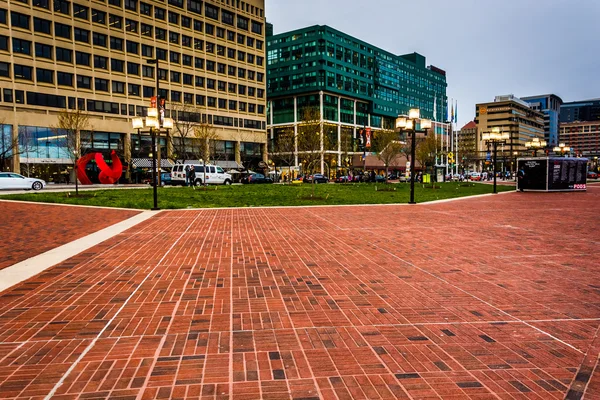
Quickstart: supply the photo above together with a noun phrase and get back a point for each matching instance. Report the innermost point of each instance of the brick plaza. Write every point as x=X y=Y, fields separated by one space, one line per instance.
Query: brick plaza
x=495 y=297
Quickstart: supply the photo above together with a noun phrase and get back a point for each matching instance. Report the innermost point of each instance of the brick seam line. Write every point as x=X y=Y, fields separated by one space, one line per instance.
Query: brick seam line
x=91 y=345
x=588 y=355
x=26 y=269
x=70 y=205
x=467 y=293
x=303 y=262
x=341 y=241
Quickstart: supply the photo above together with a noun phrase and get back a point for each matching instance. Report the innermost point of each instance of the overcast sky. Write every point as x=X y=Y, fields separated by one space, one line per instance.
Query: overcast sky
x=487 y=48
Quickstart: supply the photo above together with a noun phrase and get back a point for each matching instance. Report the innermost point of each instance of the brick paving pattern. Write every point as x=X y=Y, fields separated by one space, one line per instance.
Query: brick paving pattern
x=487 y=298
x=32 y=229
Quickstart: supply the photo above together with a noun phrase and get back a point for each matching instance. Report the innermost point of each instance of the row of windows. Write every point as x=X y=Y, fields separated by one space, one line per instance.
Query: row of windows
x=83 y=12
x=56 y=101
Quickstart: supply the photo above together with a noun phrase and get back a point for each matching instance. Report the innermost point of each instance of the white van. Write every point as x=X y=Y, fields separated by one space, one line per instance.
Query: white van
x=214 y=175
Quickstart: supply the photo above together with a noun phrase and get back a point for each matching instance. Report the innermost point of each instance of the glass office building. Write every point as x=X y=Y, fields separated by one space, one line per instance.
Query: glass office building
x=355 y=85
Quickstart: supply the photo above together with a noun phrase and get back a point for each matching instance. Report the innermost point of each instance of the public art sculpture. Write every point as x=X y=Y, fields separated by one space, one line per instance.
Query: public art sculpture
x=108 y=175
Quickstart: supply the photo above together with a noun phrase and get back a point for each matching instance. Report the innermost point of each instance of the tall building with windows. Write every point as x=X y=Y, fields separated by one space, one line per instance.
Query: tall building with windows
x=355 y=86
x=512 y=115
x=92 y=55
x=549 y=105
x=585 y=110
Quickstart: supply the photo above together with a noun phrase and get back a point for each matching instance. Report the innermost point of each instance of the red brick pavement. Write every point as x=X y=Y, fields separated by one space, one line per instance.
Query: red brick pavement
x=32 y=229
x=488 y=298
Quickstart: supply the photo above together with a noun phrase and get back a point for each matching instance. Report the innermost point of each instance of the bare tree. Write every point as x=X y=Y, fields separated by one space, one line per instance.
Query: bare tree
x=390 y=148
x=183 y=130
x=426 y=150
x=203 y=143
x=70 y=125
x=309 y=136
x=285 y=148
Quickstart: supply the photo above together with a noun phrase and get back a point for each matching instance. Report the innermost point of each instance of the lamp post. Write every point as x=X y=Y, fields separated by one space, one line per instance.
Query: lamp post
x=535 y=144
x=153 y=124
x=562 y=149
x=495 y=137
x=409 y=124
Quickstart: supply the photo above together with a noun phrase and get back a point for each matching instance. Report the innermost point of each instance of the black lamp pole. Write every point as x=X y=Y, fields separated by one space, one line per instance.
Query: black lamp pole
x=153 y=135
x=495 y=145
x=413 y=152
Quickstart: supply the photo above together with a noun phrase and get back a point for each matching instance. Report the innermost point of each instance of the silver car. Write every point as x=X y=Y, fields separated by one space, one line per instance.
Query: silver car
x=10 y=180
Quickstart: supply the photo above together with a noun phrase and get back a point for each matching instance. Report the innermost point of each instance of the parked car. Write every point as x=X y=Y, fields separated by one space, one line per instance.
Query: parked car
x=256 y=179
x=475 y=176
x=214 y=175
x=592 y=175
x=10 y=180
x=317 y=178
x=165 y=178
x=379 y=178
x=342 y=179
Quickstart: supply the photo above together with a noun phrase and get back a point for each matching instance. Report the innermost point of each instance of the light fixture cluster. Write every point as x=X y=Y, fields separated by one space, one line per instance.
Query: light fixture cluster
x=409 y=122
x=152 y=121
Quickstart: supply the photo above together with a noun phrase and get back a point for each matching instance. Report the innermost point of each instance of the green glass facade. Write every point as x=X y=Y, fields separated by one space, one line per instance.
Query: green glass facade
x=304 y=62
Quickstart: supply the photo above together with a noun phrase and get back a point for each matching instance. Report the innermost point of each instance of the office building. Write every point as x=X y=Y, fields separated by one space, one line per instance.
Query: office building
x=353 y=86
x=582 y=137
x=92 y=56
x=585 y=110
x=467 y=145
x=550 y=106
x=512 y=115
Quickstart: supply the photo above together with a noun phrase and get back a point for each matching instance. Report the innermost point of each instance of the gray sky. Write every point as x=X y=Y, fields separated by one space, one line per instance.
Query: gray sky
x=487 y=48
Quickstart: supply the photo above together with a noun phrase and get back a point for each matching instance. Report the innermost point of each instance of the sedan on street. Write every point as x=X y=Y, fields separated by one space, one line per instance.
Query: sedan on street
x=317 y=178
x=256 y=178
x=10 y=180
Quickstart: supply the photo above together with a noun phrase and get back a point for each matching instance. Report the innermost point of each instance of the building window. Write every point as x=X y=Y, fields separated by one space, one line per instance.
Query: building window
x=195 y=6
x=131 y=5
x=18 y=20
x=98 y=17
x=221 y=68
x=159 y=13
x=82 y=58
x=162 y=74
x=242 y=23
x=241 y=39
x=81 y=35
x=209 y=29
x=132 y=47
x=44 y=75
x=188 y=79
x=5 y=69
x=21 y=46
x=84 y=82
x=64 y=55
x=175 y=77
x=200 y=100
x=175 y=96
x=147 y=51
x=133 y=68
x=186 y=41
x=148 y=91
x=199 y=45
x=133 y=90
x=186 y=22
x=116 y=43
x=99 y=39
x=173 y=18
x=62 y=7
x=199 y=63
x=23 y=72
x=211 y=11
x=42 y=26
x=81 y=12
x=62 y=30
x=101 y=85
x=64 y=78
x=116 y=3
x=118 y=87
x=227 y=17
x=100 y=62
x=174 y=37
x=186 y=60
x=114 y=21
x=222 y=103
x=198 y=25
x=199 y=81
x=8 y=95
x=146 y=30
x=160 y=34
x=131 y=26
x=117 y=65
x=174 y=57
x=41 y=3
x=145 y=9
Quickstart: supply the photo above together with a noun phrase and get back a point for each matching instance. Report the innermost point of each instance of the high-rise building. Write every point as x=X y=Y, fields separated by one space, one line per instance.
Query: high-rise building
x=583 y=137
x=354 y=86
x=585 y=110
x=467 y=145
x=92 y=56
x=511 y=115
x=549 y=105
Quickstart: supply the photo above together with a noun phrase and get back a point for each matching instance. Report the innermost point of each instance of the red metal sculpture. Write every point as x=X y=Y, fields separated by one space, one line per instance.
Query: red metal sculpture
x=108 y=175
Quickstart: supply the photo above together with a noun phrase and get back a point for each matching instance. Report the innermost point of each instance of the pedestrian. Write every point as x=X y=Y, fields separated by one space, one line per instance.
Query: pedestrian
x=193 y=177
x=187 y=175
x=520 y=179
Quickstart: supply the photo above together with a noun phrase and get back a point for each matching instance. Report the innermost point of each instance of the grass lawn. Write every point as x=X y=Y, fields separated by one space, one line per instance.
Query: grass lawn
x=261 y=195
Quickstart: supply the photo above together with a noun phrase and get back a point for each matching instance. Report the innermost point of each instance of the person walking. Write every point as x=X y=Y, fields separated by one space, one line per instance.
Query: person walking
x=193 y=177
x=187 y=175
x=520 y=179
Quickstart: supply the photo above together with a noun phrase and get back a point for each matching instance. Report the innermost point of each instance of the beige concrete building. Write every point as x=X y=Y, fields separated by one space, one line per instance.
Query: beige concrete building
x=511 y=115
x=92 y=55
x=582 y=137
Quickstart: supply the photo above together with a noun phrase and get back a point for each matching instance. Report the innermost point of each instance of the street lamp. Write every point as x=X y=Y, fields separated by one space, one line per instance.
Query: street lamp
x=495 y=137
x=535 y=144
x=409 y=124
x=562 y=149
x=153 y=124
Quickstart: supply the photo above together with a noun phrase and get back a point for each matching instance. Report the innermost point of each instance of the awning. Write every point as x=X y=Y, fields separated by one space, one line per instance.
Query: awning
x=229 y=165
x=147 y=163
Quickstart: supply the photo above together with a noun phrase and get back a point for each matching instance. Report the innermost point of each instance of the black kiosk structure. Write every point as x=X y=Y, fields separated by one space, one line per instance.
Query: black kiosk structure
x=552 y=174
